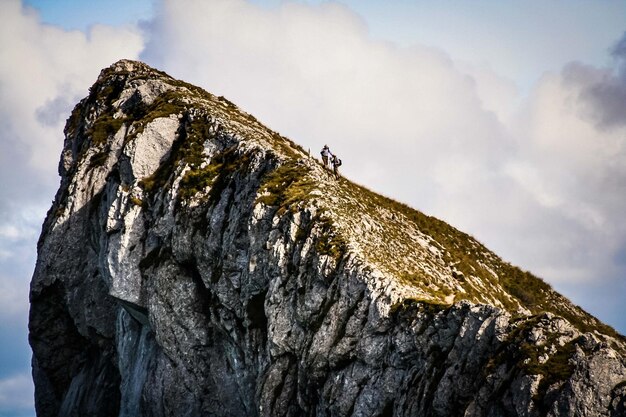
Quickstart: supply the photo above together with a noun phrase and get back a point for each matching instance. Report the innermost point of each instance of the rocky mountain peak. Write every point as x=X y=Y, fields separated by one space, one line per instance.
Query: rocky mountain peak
x=195 y=262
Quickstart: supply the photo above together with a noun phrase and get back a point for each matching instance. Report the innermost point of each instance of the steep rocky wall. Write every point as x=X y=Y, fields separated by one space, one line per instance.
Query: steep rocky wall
x=150 y=300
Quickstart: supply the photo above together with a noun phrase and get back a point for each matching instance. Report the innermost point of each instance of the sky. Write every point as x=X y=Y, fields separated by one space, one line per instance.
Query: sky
x=505 y=119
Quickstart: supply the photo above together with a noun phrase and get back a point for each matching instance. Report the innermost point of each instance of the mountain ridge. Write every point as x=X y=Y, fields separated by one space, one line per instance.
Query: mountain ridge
x=149 y=159
x=197 y=178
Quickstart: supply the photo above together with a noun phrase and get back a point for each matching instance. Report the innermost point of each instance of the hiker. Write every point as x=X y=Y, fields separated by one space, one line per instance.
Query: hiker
x=325 y=154
x=336 y=164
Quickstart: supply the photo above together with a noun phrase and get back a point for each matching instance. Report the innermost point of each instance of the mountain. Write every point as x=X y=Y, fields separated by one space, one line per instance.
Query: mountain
x=196 y=263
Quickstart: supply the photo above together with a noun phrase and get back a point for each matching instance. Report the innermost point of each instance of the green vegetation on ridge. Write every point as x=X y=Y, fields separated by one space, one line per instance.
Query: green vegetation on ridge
x=287 y=184
x=471 y=258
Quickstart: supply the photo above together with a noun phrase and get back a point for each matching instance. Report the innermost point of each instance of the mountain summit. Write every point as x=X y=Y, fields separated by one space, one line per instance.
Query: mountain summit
x=196 y=263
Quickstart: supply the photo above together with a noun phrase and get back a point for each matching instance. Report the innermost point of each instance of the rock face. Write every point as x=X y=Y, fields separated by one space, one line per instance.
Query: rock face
x=195 y=263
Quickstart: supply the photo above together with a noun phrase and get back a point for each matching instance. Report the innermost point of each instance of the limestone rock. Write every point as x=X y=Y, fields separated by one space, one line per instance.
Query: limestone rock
x=196 y=263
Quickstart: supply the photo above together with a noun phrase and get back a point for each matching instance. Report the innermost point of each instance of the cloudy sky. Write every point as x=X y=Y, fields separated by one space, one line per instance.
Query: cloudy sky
x=506 y=119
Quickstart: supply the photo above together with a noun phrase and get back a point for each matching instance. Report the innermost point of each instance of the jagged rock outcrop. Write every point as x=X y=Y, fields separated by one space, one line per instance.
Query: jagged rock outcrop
x=196 y=263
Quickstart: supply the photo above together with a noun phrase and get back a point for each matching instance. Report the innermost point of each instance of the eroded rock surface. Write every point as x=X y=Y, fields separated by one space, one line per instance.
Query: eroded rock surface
x=196 y=263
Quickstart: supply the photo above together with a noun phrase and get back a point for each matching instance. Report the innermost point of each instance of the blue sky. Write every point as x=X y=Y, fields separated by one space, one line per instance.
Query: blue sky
x=503 y=118
x=80 y=15
x=520 y=39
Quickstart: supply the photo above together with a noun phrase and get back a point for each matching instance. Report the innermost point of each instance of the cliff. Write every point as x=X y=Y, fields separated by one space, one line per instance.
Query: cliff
x=196 y=263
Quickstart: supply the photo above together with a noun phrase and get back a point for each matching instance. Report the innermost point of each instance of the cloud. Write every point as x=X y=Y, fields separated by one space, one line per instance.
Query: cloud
x=53 y=111
x=17 y=261
x=619 y=49
x=538 y=179
x=44 y=71
x=579 y=161
x=602 y=90
x=17 y=396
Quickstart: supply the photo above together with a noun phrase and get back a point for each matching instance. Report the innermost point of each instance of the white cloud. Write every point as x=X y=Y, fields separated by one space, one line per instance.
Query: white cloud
x=21 y=228
x=17 y=395
x=13 y=292
x=44 y=70
x=572 y=164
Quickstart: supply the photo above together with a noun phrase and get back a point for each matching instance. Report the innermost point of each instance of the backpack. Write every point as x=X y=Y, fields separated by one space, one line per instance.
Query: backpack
x=337 y=162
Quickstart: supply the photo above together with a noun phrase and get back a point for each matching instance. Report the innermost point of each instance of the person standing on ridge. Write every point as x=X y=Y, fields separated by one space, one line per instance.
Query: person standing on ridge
x=336 y=164
x=325 y=154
